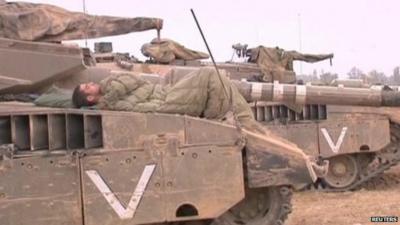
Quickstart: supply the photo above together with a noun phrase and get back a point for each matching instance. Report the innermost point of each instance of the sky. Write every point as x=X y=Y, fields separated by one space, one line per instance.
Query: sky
x=361 y=33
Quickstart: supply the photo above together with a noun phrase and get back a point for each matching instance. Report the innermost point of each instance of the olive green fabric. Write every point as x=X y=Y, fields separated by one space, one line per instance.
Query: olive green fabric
x=23 y=97
x=55 y=97
x=42 y=22
x=200 y=93
x=166 y=51
x=128 y=92
x=276 y=64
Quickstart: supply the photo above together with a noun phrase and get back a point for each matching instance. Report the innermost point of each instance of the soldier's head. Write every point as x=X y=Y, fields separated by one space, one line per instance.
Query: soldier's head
x=87 y=94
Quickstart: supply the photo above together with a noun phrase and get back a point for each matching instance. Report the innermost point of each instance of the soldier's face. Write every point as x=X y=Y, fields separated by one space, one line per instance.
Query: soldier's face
x=91 y=90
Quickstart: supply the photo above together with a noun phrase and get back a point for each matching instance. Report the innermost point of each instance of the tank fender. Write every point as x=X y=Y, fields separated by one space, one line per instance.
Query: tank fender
x=272 y=162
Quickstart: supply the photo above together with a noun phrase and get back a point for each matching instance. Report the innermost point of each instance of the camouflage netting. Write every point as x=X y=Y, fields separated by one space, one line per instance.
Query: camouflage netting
x=166 y=51
x=42 y=22
x=276 y=64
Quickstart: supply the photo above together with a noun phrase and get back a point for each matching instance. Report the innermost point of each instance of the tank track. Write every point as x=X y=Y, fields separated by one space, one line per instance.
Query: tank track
x=286 y=208
x=282 y=194
x=382 y=161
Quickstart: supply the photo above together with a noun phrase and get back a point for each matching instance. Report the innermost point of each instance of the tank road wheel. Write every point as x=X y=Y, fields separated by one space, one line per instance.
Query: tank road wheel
x=343 y=172
x=261 y=206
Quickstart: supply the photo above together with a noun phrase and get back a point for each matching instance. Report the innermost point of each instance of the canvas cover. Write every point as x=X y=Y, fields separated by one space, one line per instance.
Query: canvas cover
x=42 y=22
x=276 y=64
x=166 y=51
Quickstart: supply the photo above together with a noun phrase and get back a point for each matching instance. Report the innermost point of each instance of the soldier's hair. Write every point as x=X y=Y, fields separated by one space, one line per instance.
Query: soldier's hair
x=79 y=99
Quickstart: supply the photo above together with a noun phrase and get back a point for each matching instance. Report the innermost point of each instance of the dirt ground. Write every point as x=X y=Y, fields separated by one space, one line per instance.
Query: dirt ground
x=380 y=197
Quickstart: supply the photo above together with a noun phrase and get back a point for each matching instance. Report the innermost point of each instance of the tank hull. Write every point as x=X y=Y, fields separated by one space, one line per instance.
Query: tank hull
x=92 y=167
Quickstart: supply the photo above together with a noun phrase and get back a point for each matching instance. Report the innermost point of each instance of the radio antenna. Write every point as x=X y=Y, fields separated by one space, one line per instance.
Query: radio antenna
x=209 y=52
x=231 y=106
x=85 y=12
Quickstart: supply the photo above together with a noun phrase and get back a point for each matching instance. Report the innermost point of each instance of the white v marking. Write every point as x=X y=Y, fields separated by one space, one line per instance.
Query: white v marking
x=334 y=147
x=129 y=211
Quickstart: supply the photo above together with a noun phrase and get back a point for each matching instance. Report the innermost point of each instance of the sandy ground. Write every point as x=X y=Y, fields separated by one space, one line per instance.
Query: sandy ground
x=380 y=197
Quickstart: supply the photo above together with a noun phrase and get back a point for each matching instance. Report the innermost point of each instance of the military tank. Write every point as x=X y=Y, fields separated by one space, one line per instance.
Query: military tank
x=359 y=141
x=77 y=161
x=74 y=166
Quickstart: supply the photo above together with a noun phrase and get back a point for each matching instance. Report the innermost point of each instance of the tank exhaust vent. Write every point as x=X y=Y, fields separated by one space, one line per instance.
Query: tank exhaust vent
x=5 y=130
x=56 y=131
x=266 y=112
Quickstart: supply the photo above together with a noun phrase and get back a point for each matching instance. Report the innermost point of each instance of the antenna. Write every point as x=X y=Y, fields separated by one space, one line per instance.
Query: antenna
x=209 y=52
x=85 y=12
x=300 y=42
x=231 y=106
